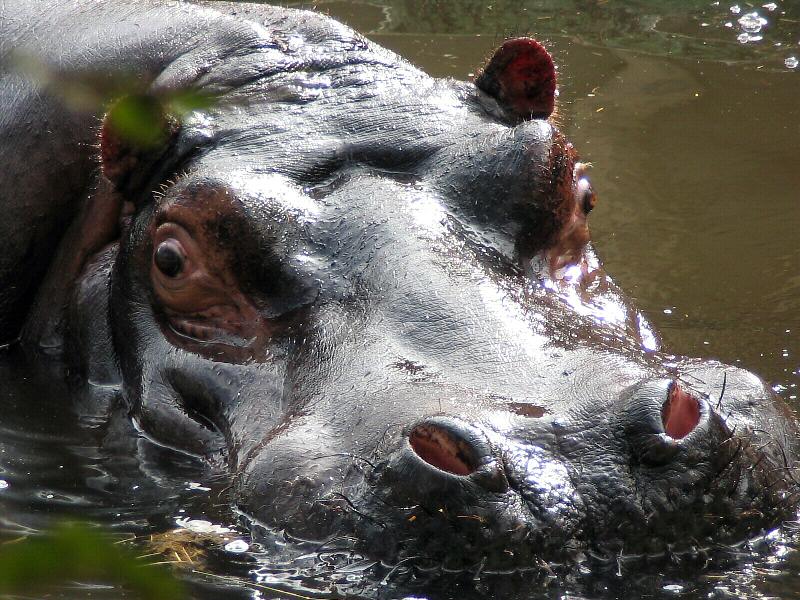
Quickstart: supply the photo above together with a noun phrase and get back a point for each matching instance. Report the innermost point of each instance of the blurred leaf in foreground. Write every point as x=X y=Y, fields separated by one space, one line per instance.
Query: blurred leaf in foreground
x=74 y=552
x=138 y=113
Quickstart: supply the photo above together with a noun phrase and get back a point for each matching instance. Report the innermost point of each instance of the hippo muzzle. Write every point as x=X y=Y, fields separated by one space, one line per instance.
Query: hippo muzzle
x=666 y=470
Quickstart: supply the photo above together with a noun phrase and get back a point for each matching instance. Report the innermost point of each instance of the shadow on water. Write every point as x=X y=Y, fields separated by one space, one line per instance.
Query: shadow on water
x=693 y=131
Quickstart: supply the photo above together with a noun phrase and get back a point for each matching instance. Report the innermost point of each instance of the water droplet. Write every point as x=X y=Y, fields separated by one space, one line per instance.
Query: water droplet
x=201 y=526
x=736 y=9
x=237 y=546
x=744 y=38
x=791 y=63
x=752 y=22
x=3 y=484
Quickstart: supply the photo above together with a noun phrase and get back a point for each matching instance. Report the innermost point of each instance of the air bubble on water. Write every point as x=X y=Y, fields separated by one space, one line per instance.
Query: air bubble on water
x=673 y=587
x=791 y=63
x=770 y=6
x=752 y=22
x=744 y=38
x=3 y=484
x=237 y=546
x=201 y=526
x=667 y=311
x=295 y=42
x=736 y=9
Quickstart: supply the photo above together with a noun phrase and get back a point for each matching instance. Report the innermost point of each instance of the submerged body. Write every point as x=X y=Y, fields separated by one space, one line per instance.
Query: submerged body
x=366 y=293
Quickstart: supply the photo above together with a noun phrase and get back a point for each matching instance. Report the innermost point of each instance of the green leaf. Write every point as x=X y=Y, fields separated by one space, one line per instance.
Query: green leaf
x=73 y=552
x=139 y=119
x=183 y=102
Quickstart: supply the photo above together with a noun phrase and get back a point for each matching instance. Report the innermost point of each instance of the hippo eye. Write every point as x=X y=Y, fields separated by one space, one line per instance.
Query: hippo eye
x=585 y=195
x=169 y=258
x=196 y=297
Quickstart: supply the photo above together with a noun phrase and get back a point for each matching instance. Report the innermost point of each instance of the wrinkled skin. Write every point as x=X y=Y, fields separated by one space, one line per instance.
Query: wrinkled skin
x=366 y=293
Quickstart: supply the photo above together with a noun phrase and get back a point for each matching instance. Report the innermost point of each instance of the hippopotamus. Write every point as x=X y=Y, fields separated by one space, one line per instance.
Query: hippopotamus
x=366 y=295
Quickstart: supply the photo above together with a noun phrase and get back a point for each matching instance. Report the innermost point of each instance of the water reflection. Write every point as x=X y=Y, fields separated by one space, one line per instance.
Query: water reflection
x=588 y=290
x=696 y=28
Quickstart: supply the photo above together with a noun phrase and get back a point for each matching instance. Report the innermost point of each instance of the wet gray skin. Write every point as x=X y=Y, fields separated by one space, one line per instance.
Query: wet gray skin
x=365 y=293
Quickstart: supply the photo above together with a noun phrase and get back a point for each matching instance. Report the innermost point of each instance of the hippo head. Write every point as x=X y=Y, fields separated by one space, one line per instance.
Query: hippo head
x=370 y=295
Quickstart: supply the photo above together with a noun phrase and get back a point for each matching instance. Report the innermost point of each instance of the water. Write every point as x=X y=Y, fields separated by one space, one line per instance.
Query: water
x=694 y=140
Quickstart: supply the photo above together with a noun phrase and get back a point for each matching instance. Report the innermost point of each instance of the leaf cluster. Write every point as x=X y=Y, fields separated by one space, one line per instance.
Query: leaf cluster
x=74 y=552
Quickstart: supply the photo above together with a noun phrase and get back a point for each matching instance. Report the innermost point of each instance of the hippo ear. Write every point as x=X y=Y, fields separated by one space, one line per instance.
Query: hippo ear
x=522 y=78
x=135 y=138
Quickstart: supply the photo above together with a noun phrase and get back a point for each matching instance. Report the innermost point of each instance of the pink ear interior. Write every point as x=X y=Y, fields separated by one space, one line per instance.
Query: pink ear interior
x=522 y=77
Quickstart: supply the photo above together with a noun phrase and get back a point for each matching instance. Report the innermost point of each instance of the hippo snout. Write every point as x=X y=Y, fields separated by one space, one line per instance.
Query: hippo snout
x=669 y=464
x=656 y=420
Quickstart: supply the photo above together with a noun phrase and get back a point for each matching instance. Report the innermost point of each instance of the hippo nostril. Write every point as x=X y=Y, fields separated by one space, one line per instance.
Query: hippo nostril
x=443 y=449
x=662 y=419
x=680 y=412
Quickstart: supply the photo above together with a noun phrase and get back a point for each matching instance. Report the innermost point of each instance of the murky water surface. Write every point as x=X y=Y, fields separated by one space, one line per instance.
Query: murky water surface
x=690 y=113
